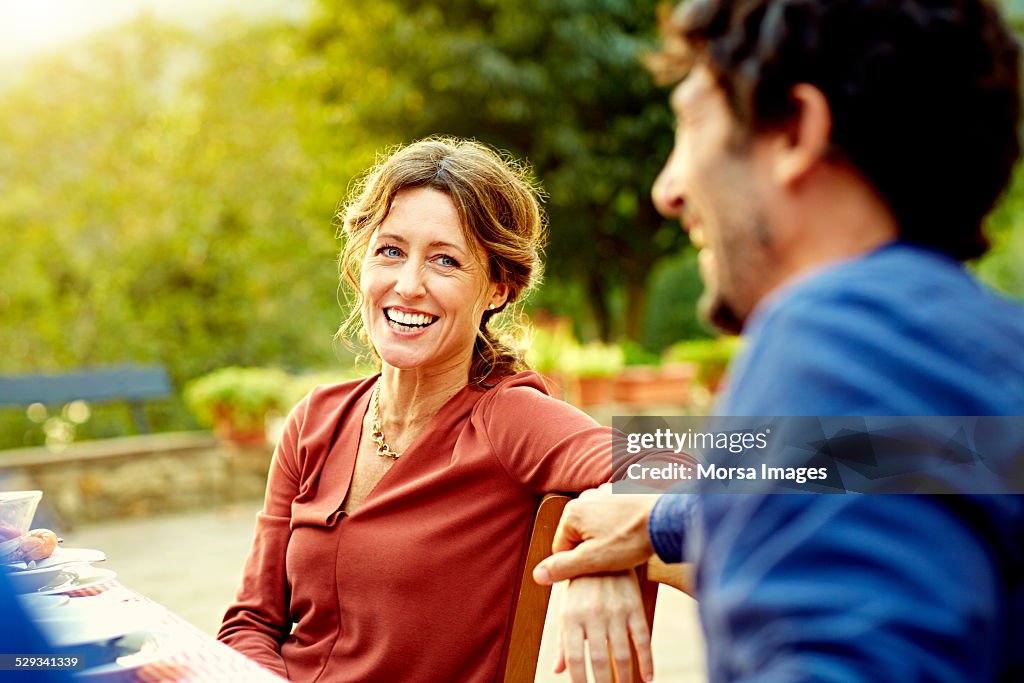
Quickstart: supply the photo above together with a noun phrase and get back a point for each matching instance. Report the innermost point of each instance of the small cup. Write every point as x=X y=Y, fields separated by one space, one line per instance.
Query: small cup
x=17 y=508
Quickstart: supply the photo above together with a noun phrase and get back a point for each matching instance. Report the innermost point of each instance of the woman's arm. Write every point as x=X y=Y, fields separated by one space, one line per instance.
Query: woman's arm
x=544 y=444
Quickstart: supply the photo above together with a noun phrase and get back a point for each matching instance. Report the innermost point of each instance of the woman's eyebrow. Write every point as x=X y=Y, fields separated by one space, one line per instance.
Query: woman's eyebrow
x=446 y=245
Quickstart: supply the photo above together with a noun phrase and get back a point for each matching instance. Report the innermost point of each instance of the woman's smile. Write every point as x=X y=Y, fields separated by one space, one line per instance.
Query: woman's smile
x=405 y=321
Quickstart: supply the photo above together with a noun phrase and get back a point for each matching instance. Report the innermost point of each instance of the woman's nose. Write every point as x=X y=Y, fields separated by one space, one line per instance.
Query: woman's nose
x=410 y=281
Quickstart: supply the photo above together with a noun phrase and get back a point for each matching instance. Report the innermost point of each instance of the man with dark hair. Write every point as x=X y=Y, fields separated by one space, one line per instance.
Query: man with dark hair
x=834 y=162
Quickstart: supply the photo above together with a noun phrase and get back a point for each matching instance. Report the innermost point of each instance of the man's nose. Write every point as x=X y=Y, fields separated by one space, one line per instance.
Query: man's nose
x=667 y=192
x=410 y=281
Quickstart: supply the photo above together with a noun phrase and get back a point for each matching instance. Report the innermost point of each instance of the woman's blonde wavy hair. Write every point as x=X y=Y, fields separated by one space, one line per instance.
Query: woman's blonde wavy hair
x=499 y=208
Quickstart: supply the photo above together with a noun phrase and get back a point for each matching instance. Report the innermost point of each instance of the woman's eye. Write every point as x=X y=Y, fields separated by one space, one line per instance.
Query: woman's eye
x=390 y=252
x=447 y=261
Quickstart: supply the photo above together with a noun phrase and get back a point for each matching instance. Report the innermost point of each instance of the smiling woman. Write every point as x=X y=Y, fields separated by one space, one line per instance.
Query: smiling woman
x=478 y=222
x=386 y=494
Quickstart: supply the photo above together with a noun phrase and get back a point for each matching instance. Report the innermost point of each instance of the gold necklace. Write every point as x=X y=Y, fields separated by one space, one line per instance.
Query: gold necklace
x=376 y=433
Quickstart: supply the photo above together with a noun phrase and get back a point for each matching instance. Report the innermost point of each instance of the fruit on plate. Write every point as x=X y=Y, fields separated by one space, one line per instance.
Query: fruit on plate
x=37 y=544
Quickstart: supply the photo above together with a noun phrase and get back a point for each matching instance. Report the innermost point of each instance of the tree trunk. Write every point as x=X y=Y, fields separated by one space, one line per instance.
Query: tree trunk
x=599 y=304
x=636 y=307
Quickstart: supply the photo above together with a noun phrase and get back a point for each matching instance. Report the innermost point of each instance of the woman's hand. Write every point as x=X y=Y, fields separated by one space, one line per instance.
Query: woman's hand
x=607 y=611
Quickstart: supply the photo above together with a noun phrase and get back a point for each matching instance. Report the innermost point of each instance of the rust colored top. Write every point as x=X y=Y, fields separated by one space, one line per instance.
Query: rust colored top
x=418 y=583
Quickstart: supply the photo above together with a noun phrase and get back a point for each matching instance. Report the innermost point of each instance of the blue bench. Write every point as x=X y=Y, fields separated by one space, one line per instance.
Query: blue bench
x=132 y=384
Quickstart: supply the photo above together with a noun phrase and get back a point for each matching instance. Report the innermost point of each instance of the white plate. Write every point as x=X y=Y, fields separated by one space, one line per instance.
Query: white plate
x=29 y=580
x=139 y=648
x=67 y=632
x=61 y=556
x=39 y=604
x=76 y=577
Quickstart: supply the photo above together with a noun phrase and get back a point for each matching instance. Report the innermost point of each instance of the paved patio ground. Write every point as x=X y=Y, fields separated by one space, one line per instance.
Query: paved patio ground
x=191 y=563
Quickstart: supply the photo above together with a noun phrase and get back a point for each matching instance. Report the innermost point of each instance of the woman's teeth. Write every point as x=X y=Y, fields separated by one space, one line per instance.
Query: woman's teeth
x=412 y=320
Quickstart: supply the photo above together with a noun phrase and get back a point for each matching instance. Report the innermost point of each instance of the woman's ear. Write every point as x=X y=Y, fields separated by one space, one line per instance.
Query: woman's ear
x=805 y=141
x=498 y=297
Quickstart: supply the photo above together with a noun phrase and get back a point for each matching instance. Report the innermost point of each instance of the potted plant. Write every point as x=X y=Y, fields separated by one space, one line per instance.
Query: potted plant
x=711 y=357
x=546 y=353
x=593 y=367
x=235 y=401
x=646 y=382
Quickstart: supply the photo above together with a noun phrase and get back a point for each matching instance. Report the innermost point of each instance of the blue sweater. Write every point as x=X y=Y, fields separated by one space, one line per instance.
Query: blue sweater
x=843 y=588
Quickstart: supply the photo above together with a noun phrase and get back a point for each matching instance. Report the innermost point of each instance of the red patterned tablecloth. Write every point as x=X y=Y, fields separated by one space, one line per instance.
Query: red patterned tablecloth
x=193 y=656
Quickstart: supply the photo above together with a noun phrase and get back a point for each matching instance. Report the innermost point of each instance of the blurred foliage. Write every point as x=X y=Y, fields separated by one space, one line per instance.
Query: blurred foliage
x=711 y=356
x=1003 y=266
x=558 y=82
x=593 y=359
x=548 y=345
x=674 y=288
x=170 y=196
x=635 y=354
x=164 y=207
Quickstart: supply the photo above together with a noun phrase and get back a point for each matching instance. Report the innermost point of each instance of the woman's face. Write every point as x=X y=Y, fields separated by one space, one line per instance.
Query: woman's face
x=424 y=287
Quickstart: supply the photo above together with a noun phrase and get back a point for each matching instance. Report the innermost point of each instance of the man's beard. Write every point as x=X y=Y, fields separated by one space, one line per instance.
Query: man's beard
x=719 y=313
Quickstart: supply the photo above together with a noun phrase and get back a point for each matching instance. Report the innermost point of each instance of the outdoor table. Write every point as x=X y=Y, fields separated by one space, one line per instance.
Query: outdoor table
x=192 y=654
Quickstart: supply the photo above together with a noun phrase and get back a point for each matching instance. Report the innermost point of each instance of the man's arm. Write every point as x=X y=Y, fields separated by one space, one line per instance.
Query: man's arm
x=599 y=532
x=603 y=532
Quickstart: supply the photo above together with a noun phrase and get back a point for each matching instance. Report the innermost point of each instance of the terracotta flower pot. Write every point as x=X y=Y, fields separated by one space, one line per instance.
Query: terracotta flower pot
x=594 y=391
x=644 y=387
x=226 y=428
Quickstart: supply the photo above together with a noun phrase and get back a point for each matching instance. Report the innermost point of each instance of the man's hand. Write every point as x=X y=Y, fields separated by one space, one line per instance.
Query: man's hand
x=598 y=533
x=605 y=611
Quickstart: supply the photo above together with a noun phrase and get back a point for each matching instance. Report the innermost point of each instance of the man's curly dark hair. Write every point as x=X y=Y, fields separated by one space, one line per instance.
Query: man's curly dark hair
x=924 y=94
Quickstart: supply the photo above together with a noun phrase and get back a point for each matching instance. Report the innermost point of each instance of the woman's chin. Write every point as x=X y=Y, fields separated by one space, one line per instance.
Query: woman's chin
x=401 y=361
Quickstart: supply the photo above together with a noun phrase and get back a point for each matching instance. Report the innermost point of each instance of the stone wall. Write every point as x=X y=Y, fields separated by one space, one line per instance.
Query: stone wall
x=136 y=476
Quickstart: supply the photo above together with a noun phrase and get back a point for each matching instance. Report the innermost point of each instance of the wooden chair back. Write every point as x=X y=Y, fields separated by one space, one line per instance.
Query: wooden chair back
x=519 y=656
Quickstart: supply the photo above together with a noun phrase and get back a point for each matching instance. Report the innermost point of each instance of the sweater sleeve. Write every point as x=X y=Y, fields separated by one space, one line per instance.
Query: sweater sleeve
x=668 y=524
x=258 y=621
x=544 y=444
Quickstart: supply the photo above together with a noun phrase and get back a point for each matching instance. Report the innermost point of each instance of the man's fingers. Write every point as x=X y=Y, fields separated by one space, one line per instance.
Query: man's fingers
x=568 y=534
x=566 y=565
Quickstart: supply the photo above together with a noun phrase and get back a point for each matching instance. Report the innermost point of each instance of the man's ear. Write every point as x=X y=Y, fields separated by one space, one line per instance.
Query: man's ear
x=805 y=140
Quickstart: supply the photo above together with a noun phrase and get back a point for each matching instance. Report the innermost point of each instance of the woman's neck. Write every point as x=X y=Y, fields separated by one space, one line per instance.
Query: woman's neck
x=410 y=398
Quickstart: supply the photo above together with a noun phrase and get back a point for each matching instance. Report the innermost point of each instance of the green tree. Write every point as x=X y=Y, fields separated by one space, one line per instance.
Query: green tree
x=165 y=205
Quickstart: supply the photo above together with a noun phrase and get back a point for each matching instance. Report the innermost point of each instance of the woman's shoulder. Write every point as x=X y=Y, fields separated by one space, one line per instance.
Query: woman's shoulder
x=524 y=385
x=521 y=396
